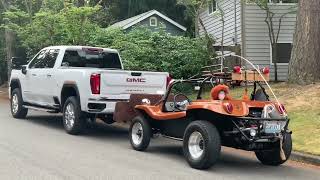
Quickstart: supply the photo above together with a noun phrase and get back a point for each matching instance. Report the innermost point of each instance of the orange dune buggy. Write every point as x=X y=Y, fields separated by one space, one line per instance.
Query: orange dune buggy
x=204 y=125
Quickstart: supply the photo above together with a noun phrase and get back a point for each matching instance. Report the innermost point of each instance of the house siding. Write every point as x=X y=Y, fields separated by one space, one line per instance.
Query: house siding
x=169 y=28
x=257 y=43
x=232 y=26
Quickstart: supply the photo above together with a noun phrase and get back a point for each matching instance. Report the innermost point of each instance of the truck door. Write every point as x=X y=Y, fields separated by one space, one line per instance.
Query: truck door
x=29 y=84
x=47 y=83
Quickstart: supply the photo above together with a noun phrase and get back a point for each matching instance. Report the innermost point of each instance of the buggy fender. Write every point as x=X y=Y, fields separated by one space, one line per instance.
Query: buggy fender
x=240 y=108
x=156 y=113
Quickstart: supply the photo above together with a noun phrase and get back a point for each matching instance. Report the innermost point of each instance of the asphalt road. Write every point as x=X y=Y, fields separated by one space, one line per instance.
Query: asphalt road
x=38 y=148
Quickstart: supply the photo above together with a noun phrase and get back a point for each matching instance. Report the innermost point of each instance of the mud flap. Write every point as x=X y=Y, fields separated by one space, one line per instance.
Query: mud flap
x=125 y=111
x=282 y=154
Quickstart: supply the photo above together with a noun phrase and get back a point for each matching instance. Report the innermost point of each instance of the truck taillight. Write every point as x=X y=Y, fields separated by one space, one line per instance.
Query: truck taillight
x=95 y=81
x=169 y=79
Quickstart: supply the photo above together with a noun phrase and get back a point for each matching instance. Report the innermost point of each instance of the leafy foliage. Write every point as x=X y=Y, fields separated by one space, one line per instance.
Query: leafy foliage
x=142 y=49
x=41 y=23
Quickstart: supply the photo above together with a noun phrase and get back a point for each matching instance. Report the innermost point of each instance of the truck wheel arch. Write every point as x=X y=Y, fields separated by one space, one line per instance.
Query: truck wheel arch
x=15 y=83
x=67 y=91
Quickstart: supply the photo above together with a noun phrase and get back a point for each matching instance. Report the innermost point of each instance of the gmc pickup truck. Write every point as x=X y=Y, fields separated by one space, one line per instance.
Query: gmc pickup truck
x=80 y=82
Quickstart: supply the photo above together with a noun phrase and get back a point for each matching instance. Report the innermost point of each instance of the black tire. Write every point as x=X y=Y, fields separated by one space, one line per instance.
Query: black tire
x=79 y=122
x=273 y=157
x=20 y=112
x=211 y=144
x=144 y=134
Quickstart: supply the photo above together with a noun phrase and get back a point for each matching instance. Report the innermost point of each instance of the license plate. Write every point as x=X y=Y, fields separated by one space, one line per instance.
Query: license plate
x=272 y=127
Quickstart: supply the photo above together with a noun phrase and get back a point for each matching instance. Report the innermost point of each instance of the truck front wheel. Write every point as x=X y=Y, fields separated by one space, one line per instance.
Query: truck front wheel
x=201 y=144
x=73 y=119
x=17 y=109
x=140 y=133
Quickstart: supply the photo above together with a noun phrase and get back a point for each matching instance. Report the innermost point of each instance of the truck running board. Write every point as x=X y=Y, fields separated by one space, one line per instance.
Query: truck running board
x=41 y=109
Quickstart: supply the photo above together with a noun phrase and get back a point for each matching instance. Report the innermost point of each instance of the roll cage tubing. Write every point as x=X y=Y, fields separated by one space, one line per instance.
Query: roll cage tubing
x=202 y=81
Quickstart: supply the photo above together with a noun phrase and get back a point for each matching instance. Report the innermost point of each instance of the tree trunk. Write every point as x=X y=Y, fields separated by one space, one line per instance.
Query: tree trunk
x=304 y=67
x=9 y=39
x=81 y=3
x=275 y=61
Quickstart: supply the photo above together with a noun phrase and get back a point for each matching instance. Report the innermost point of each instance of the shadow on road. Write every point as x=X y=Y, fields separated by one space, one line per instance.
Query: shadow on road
x=96 y=130
x=231 y=160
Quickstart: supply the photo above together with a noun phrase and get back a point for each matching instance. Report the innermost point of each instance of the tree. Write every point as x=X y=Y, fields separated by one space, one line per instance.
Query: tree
x=304 y=67
x=195 y=7
x=274 y=24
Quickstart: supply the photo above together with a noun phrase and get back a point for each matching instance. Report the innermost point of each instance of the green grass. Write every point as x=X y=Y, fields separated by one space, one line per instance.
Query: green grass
x=305 y=125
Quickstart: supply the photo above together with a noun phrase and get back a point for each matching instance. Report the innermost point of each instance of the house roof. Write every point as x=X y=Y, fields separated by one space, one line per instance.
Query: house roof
x=125 y=24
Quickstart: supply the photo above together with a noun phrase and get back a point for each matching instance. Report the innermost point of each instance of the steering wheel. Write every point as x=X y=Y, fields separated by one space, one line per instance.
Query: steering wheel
x=182 y=106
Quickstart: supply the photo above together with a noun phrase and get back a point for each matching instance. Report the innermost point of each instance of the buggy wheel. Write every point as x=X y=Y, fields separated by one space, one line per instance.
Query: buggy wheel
x=140 y=133
x=273 y=157
x=201 y=144
x=17 y=109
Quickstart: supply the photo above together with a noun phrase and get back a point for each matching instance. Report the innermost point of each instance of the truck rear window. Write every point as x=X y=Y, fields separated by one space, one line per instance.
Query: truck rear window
x=81 y=58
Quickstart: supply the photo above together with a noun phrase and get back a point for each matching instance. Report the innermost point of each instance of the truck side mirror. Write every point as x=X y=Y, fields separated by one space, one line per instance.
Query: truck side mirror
x=17 y=62
x=24 y=69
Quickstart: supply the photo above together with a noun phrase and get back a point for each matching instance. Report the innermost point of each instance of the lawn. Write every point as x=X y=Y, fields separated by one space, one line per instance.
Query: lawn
x=303 y=106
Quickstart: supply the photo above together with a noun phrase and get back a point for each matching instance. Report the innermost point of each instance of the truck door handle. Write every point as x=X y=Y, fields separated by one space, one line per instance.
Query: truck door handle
x=34 y=75
x=49 y=75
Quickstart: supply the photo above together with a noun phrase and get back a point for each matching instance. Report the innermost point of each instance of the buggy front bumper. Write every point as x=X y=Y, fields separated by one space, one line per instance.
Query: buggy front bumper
x=253 y=129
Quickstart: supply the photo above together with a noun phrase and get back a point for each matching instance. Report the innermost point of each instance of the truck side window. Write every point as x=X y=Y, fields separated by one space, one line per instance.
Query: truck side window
x=51 y=57
x=38 y=61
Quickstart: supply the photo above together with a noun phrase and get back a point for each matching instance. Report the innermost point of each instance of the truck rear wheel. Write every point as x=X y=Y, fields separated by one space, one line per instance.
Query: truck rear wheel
x=140 y=133
x=201 y=144
x=17 y=109
x=273 y=157
x=73 y=119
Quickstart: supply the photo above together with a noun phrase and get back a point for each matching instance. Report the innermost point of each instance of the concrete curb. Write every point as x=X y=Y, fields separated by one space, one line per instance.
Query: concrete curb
x=305 y=158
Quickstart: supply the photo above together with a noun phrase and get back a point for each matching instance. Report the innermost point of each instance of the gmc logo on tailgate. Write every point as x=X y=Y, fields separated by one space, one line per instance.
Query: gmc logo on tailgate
x=136 y=80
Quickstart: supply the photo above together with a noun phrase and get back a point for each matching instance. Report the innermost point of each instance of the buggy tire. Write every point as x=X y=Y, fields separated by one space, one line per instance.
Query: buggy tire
x=74 y=121
x=140 y=133
x=16 y=102
x=273 y=158
x=201 y=144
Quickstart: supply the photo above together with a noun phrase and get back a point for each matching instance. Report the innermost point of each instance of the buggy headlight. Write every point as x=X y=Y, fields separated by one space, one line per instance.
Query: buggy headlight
x=253 y=132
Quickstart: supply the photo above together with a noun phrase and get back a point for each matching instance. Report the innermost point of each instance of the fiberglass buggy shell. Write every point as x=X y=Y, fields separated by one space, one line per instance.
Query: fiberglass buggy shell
x=204 y=125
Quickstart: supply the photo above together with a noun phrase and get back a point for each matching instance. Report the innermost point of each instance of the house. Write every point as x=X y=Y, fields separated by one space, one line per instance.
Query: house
x=153 y=20
x=245 y=29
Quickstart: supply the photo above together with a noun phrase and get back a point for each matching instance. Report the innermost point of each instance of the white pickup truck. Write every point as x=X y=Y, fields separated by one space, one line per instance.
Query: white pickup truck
x=80 y=82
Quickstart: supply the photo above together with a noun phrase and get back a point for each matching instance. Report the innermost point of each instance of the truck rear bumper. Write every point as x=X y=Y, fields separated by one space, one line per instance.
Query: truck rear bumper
x=102 y=105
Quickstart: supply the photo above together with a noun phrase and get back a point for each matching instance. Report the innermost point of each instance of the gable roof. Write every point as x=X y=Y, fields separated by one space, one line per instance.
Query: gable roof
x=125 y=24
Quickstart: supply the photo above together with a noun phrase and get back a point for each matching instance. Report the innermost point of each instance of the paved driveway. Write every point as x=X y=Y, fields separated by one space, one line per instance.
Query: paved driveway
x=38 y=148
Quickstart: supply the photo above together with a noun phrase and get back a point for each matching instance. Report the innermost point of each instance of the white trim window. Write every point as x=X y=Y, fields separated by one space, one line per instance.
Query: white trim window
x=283 y=1
x=212 y=5
x=153 y=22
x=283 y=53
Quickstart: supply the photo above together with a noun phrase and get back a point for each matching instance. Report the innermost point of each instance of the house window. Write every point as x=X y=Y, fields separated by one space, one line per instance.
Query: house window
x=283 y=1
x=212 y=6
x=283 y=53
x=153 y=21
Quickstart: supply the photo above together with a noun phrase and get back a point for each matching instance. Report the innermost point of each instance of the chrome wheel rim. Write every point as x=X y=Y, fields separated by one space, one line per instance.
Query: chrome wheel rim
x=15 y=104
x=196 y=145
x=69 y=116
x=137 y=133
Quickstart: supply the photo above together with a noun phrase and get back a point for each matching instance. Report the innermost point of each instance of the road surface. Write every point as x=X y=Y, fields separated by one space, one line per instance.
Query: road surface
x=38 y=148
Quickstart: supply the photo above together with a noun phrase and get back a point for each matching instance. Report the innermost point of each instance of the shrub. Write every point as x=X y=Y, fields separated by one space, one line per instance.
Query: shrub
x=142 y=49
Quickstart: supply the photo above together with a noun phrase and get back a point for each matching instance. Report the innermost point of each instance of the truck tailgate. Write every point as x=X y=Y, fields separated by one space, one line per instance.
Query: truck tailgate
x=133 y=82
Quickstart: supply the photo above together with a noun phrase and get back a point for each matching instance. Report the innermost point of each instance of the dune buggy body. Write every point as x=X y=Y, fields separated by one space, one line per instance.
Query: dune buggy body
x=204 y=125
